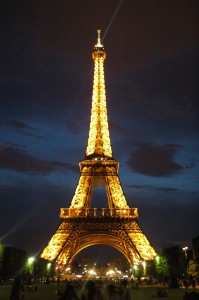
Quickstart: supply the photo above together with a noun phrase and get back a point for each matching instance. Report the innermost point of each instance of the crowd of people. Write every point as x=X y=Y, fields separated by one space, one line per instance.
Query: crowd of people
x=96 y=290
x=92 y=290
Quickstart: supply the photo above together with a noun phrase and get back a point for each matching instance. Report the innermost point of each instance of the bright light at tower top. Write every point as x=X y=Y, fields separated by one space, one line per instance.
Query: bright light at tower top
x=98 y=39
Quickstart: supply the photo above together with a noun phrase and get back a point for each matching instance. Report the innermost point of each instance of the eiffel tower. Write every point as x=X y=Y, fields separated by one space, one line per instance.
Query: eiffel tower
x=82 y=226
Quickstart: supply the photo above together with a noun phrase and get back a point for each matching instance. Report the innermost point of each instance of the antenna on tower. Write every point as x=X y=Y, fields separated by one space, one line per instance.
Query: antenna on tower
x=98 y=38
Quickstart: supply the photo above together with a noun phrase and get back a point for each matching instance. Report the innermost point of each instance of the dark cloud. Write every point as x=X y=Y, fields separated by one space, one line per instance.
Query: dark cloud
x=150 y=187
x=192 y=164
x=35 y=136
x=166 y=189
x=19 y=124
x=154 y=160
x=24 y=127
x=18 y=160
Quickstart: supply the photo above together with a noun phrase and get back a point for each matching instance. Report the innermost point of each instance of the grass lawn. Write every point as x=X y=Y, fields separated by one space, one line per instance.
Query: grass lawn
x=48 y=292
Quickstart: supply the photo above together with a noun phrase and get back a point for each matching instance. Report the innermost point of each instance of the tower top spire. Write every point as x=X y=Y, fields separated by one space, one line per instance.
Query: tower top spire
x=98 y=38
x=98 y=46
x=99 y=145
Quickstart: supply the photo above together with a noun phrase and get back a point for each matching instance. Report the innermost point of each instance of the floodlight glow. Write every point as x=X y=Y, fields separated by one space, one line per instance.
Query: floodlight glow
x=30 y=260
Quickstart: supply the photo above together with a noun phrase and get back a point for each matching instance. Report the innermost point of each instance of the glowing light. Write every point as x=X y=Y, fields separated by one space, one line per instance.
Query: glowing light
x=110 y=272
x=185 y=248
x=67 y=269
x=49 y=266
x=92 y=272
x=30 y=260
x=185 y=251
x=99 y=140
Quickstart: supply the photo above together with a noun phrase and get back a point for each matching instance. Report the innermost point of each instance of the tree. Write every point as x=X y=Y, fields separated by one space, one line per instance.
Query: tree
x=162 y=267
x=195 y=243
x=2 y=247
x=193 y=267
x=174 y=256
x=13 y=262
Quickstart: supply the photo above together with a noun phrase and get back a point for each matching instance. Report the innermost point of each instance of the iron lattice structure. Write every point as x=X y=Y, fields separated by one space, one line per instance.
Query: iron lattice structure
x=82 y=226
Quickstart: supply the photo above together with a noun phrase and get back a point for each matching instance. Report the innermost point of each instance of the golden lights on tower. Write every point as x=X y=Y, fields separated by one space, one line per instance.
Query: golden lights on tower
x=116 y=225
x=99 y=140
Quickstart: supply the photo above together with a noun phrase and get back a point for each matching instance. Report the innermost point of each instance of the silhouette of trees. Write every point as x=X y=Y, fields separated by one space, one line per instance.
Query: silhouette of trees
x=15 y=262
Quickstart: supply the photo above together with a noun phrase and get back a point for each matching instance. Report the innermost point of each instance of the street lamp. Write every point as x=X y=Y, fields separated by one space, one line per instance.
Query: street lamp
x=185 y=251
x=30 y=260
x=48 y=268
x=185 y=255
x=29 y=267
x=157 y=258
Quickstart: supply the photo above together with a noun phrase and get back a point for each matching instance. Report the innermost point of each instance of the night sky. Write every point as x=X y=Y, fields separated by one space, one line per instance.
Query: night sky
x=151 y=75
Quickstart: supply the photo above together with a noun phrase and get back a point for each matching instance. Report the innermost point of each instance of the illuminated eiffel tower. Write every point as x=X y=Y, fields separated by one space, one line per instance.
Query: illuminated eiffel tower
x=82 y=226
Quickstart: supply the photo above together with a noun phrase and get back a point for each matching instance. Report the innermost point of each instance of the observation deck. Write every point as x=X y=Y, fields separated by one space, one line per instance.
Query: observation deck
x=98 y=212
